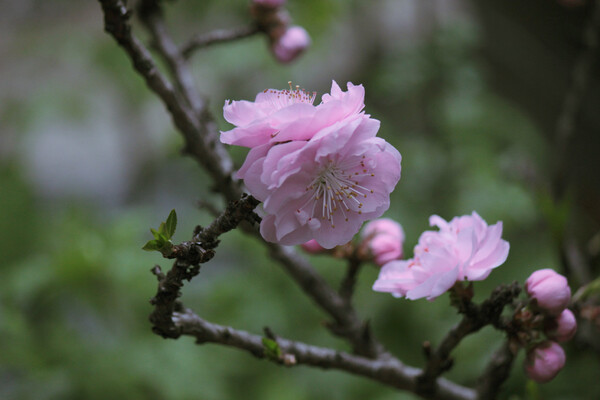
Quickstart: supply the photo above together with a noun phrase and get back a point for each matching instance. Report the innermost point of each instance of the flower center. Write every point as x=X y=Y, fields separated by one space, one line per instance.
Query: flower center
x=336 y=187
x=283 y=98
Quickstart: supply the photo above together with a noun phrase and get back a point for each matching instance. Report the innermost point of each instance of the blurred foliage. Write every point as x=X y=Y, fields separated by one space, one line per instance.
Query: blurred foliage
x=75 y=285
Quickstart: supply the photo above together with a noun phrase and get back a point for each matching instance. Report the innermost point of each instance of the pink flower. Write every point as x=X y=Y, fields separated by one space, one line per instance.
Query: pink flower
x=312 y=247
x=282 y=115
x=563 y=327
x=544 y=362
x=549 y=289
x=324 y=188
x=384 y=238
x=291 y=44
x=465 y=248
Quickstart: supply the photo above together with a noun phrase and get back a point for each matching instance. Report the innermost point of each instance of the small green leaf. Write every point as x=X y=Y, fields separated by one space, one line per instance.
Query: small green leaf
x=171 y=224
x=271 y=349
x=162 y=229
x=152 y=245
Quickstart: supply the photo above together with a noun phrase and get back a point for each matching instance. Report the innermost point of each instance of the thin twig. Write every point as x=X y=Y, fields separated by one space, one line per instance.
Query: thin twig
x=496 y=372
x=200 y=41
x=349 y=282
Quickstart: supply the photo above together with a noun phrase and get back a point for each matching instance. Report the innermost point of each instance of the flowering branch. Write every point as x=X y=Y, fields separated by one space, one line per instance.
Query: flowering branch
x=170 y=319
x=200 y=41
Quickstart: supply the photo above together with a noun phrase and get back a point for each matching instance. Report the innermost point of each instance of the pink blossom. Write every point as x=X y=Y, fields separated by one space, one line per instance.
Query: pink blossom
x=324 y=188
x=312 y=247
x=563 y=327
x=282 y=115
x=550 y=290
x=465 y=248
x=544 y=362
x=291 y=44
x=384 y=238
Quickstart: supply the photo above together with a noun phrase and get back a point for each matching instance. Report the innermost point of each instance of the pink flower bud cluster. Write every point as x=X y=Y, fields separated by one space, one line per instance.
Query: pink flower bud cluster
x=465 y=248
x=320 y=171
x=286 y=42
x=550 y=295
x=384 y=239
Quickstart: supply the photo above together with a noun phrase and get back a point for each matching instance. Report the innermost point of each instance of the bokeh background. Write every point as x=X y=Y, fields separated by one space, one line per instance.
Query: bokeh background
x=469 y=92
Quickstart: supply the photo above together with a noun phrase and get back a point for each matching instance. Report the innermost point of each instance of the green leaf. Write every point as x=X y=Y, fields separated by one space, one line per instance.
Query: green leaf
x=171 y=224
x=271 y=349
x=152 y=245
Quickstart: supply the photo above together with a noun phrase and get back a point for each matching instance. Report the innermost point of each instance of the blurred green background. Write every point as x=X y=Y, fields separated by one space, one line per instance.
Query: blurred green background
x=89 y=160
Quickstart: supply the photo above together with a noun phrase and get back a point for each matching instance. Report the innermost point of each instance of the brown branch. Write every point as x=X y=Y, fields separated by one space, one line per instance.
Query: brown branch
x=200 y=41
x=390 y=372
x=496 y=372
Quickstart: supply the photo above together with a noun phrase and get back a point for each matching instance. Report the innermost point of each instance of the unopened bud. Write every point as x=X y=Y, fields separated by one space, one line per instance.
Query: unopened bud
x=291 y=44
x=563 y=327
x=544 y=362
x=384 y=239
x=550 y=289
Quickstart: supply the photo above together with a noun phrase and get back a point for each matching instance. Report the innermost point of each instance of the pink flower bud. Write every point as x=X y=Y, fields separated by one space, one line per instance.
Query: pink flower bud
x=270 y=3
x=550 y=289
x=385 y=248
x=544 y=362
x=291 y=44
x=384 y=238
x=312 y=247
x=563 y=327
x=383 y=225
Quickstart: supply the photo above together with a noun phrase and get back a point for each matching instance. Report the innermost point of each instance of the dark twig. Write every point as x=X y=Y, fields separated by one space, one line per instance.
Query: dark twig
x=236 y=212
x=218 y=36
x=475 y=318
x=387 y=371
x=349 y=282
x=496 y=372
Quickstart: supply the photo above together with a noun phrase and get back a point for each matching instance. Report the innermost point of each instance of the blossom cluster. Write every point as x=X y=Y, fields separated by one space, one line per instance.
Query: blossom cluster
x=550 y=294
x=320 y=171
x=465 y=248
